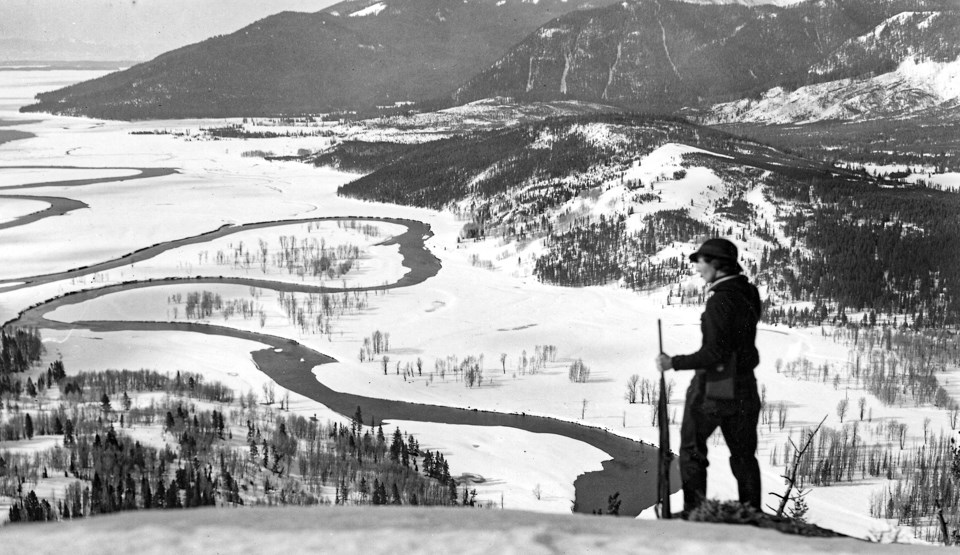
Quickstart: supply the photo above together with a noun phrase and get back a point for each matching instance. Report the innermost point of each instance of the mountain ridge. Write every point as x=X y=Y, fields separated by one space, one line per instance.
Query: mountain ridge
x=649 y=55
x=667 y=55
x=294 y=63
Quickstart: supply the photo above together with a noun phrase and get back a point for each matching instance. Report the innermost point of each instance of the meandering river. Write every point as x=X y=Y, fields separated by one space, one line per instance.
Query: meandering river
x=630 y=470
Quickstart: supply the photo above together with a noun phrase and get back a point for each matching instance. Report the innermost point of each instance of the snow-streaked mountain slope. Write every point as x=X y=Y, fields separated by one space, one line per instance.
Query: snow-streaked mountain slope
x=913 y=86
x=651 y=55
x=370 y=10
x=407 y=530
x=927 y=35
x=361 y=53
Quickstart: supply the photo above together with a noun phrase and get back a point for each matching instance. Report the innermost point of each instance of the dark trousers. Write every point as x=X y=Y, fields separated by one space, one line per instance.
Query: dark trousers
x=737 y=420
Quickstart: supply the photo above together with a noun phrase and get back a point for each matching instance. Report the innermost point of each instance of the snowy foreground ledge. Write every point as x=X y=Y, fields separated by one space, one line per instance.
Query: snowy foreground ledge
x=393 y=530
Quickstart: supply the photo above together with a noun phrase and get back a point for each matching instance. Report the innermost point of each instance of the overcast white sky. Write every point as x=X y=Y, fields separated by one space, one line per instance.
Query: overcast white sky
x=152 y=26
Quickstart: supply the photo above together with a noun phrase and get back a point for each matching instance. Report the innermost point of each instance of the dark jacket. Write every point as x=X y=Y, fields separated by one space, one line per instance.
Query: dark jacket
x=729 y=324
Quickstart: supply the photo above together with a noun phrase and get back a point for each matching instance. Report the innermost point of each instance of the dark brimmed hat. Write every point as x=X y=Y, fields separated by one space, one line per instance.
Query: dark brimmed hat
x=718 y=248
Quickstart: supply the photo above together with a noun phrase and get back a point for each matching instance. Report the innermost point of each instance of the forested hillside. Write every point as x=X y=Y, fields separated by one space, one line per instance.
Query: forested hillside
x=216 y=448
x=836 y=238
x=924 y=35
x=886 y=249
x=557 y=152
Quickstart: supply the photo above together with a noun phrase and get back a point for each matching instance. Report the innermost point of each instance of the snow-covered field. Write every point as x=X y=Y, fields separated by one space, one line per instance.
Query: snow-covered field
x=13 y=176
x=950 y=180
x=408 y=530
x=11 y=209
x=260 y=254
x=463 y=311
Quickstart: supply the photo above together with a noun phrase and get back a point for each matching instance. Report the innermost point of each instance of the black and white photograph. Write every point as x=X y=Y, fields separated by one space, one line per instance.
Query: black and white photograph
x=479 y=276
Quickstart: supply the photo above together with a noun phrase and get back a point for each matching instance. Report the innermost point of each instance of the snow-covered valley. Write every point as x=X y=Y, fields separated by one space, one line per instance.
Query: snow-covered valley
x=496 y=312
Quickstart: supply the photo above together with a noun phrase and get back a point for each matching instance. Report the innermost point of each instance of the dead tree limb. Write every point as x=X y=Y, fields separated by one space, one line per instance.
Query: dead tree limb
x=943 y=524
x=792 y=478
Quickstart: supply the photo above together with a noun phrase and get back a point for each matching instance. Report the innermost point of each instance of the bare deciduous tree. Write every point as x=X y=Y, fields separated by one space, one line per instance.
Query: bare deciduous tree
x=631 y=394
x=579 y=372
x=842 y=408
x=269 y=396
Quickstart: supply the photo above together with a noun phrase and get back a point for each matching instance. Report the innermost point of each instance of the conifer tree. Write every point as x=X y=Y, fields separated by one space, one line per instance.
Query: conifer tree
x=363 y=488
x=396 y=446
x=32 y=509
x=95 y=494
x=428 y=464
x=172 y=500
x=159 y=500
x=358 y=420
x=129 y=494
x=145 y=494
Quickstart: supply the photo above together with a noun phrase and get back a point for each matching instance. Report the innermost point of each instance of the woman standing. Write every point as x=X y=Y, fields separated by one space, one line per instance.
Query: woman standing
x=724 y=391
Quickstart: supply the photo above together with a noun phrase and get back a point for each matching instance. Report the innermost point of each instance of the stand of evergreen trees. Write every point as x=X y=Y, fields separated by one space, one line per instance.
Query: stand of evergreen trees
x=19 y=348
x=926 y=140
x=871 y=246
x=362 y=156
x=598 y=252
x=238 y=131
x=286 y=459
